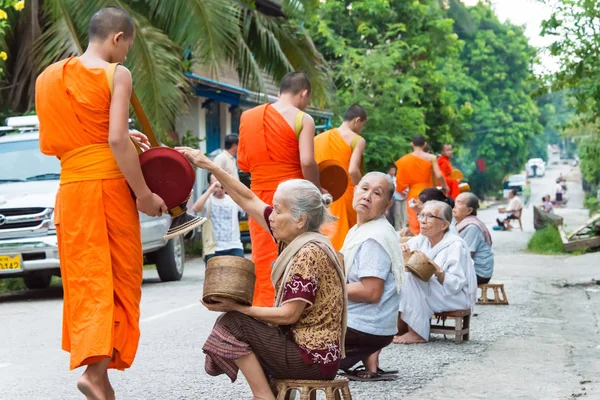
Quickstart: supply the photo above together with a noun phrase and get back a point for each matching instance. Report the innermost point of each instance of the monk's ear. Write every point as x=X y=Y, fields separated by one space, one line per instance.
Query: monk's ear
x=119 y=36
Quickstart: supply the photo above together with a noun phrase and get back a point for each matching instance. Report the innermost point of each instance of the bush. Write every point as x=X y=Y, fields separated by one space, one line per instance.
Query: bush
x=546 y=241
x=11 y=284
x=591 y=203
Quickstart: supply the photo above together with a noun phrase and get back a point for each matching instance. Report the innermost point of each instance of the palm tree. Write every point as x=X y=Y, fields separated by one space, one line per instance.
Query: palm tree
x=214 y=31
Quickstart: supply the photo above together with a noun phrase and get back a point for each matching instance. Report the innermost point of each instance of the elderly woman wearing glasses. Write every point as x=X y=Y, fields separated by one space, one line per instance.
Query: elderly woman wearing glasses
x=454 y=284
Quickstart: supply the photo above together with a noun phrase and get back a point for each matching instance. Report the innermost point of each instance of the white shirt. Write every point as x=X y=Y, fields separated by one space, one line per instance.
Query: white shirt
x=226 y=227
x=515 y=204
x=559 y=188
x=227 y=162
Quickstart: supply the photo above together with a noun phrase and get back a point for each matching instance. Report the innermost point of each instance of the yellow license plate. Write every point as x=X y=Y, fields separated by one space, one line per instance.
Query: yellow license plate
x=10 y=262
x=243 y=226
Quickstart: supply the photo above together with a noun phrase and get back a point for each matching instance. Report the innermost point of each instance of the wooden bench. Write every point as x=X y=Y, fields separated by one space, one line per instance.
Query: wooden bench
x=460 y=330
x=496 y=289
x=336 y=389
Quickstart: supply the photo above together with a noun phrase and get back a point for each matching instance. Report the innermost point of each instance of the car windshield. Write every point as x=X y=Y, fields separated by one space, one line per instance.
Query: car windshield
x=23 y=161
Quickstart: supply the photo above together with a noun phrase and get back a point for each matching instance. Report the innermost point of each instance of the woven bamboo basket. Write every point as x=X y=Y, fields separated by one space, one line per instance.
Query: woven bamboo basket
x=421 y=266
x=407 y=255
x=230 y=277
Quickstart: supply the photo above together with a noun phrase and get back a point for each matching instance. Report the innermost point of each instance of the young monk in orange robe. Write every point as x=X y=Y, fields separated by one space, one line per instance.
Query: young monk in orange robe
x=96 y=217
x=275 y=145
x=446 y=168
x=415 y=171
x=345 y=145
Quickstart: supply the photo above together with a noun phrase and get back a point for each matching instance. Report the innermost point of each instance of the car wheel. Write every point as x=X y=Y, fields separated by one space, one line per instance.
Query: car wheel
x=170 y=260
x=37 y=282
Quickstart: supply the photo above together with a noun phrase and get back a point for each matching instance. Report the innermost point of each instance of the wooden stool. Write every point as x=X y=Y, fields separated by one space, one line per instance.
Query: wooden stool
x=336 y=389
x=460 y=330
x=496 y=288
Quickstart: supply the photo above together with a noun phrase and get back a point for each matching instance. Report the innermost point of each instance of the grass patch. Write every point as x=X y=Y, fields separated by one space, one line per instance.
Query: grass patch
x=546 y=241
x=11 y=285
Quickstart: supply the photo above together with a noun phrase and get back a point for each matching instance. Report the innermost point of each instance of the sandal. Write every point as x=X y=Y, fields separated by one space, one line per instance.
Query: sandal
x=363 y=369
x=368 y=376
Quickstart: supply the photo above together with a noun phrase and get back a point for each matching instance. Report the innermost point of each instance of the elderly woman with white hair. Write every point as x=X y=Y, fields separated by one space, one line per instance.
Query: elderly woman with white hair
x=374 y=270
x=453 y=286
x=475 y=234
x=302 y=336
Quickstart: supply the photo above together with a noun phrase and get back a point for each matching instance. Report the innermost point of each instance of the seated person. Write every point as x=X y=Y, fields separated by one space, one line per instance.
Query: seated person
x=223 y=212
x=547 y=204
x=475 y=234
x=425 y=196
x=454 y=284
x=558 y=191
x=513 y=211
x=302 y=336
x=374 y=267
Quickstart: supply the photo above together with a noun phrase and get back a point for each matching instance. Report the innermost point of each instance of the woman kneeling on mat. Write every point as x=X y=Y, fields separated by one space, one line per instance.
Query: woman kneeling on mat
x=302 y=336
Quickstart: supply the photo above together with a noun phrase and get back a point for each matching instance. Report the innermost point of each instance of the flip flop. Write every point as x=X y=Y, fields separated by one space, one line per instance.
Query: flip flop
x=368 y=376
x=363 y=369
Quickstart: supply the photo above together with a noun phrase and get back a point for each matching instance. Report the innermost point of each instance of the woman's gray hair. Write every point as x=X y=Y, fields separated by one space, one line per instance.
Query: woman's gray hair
x=304 y=198
x=386 y=177
x=444 y=209
x=472 y=202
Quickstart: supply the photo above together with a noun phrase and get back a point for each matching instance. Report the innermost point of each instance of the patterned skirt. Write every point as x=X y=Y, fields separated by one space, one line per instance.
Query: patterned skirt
x=236 y=335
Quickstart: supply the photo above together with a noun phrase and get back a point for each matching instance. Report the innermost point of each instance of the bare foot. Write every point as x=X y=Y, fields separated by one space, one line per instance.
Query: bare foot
x=110 y=392
x=411 y=337
x=90 y=389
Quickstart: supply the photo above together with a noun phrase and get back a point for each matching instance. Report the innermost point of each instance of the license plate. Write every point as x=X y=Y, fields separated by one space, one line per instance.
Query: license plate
x=10 y=262
x=243 y=226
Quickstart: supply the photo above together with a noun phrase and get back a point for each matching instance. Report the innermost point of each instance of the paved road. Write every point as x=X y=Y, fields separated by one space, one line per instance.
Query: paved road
x=541 y=346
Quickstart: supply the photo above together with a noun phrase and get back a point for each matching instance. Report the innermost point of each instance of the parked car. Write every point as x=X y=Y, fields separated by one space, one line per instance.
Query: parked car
x=514 y=182
x=539 y=170
x=29 y=181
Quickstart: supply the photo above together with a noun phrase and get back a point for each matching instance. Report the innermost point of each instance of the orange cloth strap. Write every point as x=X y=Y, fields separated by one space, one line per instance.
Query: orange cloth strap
x=137 y=108
x=89 y=163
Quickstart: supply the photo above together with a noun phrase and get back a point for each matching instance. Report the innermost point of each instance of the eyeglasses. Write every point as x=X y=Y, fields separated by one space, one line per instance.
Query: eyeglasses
x=425 y=217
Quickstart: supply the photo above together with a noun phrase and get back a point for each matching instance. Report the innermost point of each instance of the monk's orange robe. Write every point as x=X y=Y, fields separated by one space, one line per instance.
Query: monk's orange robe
x=331 y=145
x=446 y=168
x=416 y=174
x=268 y=149
x=96 y=218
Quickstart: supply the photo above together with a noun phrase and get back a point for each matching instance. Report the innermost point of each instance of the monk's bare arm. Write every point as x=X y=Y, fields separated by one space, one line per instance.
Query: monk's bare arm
x=118 y=133
x=306 y=144
x=243 y=196
x=356 y=161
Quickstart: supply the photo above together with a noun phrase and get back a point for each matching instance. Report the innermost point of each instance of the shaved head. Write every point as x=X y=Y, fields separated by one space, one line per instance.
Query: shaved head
x=294 y=83
x=110 y=20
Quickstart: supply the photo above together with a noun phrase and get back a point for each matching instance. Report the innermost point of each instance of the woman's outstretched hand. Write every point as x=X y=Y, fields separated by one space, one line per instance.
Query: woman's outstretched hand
x=196 y=157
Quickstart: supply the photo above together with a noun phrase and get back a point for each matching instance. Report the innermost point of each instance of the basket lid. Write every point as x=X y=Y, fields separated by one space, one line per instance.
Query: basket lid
x=168 y=174
x=333 y=177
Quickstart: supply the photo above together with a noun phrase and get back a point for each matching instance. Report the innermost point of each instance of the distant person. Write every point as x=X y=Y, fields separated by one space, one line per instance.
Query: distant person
x=547 y=204
x=415 y=172
x=558 y=191
x=397 y=215
x=513 y=211
x=527 y=192
x=223 y=213
x=226 y=159
x=446 y=168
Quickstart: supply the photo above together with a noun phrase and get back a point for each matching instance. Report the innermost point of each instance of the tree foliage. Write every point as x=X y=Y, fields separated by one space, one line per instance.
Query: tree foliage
x=575 y=26
x=214 y=32
x=498 y=57
x=398 y=59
